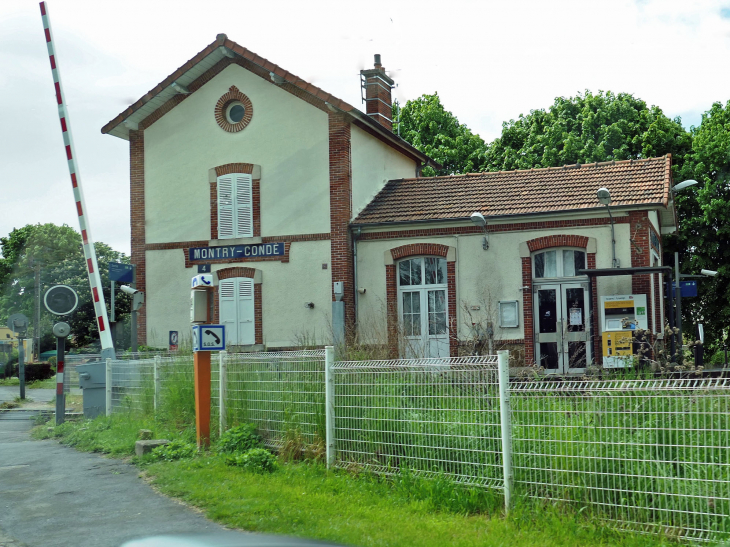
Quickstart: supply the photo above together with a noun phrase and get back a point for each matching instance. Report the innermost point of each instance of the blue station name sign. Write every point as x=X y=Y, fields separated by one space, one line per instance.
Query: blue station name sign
x=256 y=250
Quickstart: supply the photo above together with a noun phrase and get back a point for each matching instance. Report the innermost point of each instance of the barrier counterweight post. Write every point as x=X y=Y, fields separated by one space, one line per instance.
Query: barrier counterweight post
x=60 y=395
x=505 y=412
x=329 y=403
x=92 y=268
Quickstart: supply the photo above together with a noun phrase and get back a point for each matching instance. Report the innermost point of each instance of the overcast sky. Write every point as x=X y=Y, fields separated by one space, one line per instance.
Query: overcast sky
x=489 y=61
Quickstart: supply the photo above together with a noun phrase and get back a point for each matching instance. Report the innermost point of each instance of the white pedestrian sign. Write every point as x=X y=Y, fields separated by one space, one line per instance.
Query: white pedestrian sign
x=209 y=338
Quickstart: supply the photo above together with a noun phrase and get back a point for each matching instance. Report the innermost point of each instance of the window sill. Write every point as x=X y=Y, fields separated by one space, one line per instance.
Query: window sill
x=236 y=241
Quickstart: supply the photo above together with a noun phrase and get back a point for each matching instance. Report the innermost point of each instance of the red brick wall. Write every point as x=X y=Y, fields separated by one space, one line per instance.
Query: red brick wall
x=340 y=171
x=391 y=290
x=228 y=273
x=137 y=220
x=639 y=225
x=527 y=310
x=227 y=169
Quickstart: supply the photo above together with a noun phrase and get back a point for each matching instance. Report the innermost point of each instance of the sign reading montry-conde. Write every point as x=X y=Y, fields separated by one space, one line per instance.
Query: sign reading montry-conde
x=258 y=250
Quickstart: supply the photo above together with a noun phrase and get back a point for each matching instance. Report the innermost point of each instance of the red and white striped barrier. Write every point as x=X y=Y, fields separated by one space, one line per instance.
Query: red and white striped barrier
x=88 y=243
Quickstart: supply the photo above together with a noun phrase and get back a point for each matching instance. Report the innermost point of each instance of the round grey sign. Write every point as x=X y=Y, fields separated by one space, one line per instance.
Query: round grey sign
x=61 y=300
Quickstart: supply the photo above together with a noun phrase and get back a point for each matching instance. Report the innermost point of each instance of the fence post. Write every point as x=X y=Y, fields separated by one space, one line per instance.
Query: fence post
x=329 y=403
x=157 y=379
x=222 y=385
x=108 y=387
x=505 y=413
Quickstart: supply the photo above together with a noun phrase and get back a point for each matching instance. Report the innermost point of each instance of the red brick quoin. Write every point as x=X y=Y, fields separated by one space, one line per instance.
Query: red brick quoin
x=391 y=290
x=538 y=244
x=227 y=169
x=242 y=271
x=136 y=198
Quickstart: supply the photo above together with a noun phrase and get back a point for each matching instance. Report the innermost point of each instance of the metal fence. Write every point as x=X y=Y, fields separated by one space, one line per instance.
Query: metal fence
x=281 y=392
x=429 y=416
x=649 y=455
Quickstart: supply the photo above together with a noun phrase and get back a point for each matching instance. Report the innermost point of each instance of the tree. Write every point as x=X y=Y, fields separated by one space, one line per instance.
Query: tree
x=703 y=239
x=435 y=131
x=585 y=129
x=58 y=254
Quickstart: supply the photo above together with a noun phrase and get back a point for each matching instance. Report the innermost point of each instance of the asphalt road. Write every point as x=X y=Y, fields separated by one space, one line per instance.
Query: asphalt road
x=51 y=495
x=9 y=393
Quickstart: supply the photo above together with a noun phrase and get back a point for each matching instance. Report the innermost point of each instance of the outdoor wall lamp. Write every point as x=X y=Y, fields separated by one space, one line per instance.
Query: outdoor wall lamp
x=479 y=220
x=604 y=198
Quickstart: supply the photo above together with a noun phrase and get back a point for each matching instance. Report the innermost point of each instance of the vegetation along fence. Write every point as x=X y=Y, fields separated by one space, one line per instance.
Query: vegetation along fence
x=646 y=455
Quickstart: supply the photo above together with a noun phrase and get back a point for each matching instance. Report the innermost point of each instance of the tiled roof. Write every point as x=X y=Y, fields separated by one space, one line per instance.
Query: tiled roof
x=553 y=189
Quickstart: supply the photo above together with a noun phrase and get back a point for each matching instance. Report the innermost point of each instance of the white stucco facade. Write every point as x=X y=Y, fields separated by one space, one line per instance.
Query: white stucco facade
x=287 y=137
x=373 y=164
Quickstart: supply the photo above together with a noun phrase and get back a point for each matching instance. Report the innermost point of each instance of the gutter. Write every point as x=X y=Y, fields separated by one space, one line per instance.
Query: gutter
x=502 y=217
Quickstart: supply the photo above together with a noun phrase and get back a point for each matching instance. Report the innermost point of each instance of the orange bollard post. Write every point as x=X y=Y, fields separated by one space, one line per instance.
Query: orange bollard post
x=201 y=367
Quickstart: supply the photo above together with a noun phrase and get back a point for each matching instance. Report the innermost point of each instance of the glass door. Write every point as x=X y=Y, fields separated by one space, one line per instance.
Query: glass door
x=563 y=328
x=576 y=351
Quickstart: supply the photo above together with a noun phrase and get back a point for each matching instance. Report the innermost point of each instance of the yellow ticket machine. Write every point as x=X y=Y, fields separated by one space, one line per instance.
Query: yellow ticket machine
x=621 y=315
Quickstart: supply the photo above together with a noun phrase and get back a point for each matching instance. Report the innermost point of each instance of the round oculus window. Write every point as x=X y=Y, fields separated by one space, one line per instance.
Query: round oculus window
x=235 y=112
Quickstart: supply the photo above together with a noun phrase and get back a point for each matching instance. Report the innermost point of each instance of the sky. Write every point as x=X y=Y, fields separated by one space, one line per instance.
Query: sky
x=489 y=61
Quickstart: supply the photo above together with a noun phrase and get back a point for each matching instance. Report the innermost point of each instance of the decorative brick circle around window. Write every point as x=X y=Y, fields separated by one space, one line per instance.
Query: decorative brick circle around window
x=233 y=95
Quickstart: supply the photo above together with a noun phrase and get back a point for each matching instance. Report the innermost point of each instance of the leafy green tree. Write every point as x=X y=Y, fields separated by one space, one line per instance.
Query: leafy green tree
x=703 y=239
x=435 y=131
x=585 y=129
x=57 y=253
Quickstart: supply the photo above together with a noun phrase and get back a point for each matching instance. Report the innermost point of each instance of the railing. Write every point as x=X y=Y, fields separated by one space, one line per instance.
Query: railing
x=647 y=455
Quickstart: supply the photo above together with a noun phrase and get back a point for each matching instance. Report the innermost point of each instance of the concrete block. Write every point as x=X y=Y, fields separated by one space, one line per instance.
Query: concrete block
x=145 y=447
x=145 y=434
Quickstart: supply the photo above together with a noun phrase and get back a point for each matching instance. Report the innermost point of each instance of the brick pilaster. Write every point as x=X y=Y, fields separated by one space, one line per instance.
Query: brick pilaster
x=641 y=256
x=137 y=219
x=597 y=341
x=340 y=171
x=527 y=310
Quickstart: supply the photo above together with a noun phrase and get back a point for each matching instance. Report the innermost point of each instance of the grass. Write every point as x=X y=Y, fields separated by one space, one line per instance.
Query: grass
x=307 y=500
x=49 y=383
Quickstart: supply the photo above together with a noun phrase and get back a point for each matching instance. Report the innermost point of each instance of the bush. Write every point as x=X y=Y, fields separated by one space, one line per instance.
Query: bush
x=256 y=460
x=34 y=371
x=175 y=450
x=239 y=439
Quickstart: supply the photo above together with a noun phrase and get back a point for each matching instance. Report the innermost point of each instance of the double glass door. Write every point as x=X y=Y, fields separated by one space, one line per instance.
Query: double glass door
x=563 y=327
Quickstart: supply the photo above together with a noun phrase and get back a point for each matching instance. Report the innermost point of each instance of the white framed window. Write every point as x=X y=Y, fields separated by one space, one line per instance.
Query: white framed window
x=236 y=310
x=559 y=262
x=509 y=314
x=235 y=206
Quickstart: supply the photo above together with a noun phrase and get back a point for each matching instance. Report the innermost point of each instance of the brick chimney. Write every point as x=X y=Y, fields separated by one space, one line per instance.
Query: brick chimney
x=377 y=86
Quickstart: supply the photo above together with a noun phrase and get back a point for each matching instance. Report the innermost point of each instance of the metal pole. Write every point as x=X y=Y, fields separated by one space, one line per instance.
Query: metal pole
x=222 y=390
x=112 y=316
x=37 y=325
x=133 y=324
x=329 y=404
x=680 y=341
x=21 y=366
x=505 y=413
x=92 y=267
x=670 y=314
x=108 y=387
x=156 y=371
x=60 y=395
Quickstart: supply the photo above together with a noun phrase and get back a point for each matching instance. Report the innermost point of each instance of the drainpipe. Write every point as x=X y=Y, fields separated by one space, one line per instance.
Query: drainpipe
x=355 y=235
x=613 y=239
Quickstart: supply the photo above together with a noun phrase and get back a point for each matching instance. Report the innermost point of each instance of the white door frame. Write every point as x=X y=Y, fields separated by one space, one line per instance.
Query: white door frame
x=564 y=332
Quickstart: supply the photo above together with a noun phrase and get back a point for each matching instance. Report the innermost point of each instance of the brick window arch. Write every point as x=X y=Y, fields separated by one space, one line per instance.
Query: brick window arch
x=391 y=283
x=233 y=95
x=227 y=169
x=251 y=273
x=546 y=242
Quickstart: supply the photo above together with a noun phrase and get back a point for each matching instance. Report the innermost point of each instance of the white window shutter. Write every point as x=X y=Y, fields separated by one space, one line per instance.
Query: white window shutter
x=226 y=210
x=244 y=205
x=227 y=309
x=246 y=317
